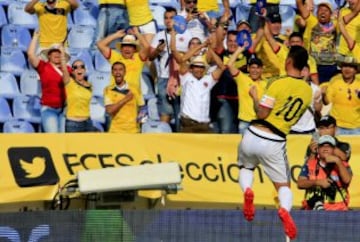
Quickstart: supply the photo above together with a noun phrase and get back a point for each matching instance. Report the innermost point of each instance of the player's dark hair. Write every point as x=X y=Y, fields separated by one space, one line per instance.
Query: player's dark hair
x=299 y=56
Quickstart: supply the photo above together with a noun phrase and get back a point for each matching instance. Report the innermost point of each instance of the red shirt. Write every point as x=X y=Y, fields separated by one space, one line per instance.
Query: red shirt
x=52 y=85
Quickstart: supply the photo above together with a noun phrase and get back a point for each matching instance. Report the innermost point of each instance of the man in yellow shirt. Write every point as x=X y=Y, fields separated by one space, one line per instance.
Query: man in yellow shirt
x=52 y=16
x=129 y=54
x=320 y=38
x=247 y=83
x=343 y=93
x=122 y=102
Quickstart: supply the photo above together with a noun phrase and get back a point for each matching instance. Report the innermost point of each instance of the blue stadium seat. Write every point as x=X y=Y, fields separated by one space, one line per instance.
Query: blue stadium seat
x=86 y=14
x=3 y=18
x=5 y=110
x=287 y=15
x=155 y=126
x=97 y=110
x=80 y=36
x=6 y=2
x=12 y=60
x=18 y=126
x=101 y=64
x=158 y=14
x=30 y=83
x=27 y=108
x=85 y=56
x=8 y=85
x=70 y=21
x=17 y=15
x=99 y=81
x=15 y=36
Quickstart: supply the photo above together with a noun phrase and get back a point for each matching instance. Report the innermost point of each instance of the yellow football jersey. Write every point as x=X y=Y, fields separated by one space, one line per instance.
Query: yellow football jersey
x=139 y=12
x=353 y=28
x=124 y=121
x=288 y=97
x=77 y=100
x=246 y=107
x=52 y=23
x=345 y=103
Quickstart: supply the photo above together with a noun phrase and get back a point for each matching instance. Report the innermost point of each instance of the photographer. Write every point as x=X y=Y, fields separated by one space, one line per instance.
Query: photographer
x=325 y=178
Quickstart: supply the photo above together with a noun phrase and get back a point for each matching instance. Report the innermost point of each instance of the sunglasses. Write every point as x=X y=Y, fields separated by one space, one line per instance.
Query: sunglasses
x=193 y=1
x=78 y=67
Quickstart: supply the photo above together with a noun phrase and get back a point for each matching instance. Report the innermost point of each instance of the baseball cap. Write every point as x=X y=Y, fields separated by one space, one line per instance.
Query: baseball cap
x=255 y=61
x=327 y=139
x=274 y=17
x=243 y=21
x=326 y=121
x=326 y=4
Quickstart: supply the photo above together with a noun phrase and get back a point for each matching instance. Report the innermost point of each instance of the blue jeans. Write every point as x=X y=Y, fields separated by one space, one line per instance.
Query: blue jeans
x=225 y=119
x=110 y=19
x=167 y=106
x=52 y=119
x=344 y=131
x=72 y=126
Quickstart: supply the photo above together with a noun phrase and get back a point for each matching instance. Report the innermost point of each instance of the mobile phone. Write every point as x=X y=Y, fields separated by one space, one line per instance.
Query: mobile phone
x=161 y=41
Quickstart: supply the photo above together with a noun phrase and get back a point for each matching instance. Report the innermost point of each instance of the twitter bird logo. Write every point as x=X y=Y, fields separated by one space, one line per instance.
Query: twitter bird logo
x=35 y=168
x=32 y=166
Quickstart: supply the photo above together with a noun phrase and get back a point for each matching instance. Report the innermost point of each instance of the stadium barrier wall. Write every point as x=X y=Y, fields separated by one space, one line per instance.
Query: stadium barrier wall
x=175 y=225
x=33 y=166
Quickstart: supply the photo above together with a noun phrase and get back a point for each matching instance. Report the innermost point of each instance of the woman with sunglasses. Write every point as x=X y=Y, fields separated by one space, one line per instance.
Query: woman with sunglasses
x=78 y=96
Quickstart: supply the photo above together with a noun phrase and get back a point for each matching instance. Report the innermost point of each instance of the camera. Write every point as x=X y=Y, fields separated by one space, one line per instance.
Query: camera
x=331 y=191
x=316 y=202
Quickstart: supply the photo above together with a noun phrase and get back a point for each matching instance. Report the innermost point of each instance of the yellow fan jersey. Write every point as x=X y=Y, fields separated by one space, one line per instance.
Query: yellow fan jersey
x=124 y=121
x=52 y=22
x=77 y=99
x=246 y=107
x=139 y=12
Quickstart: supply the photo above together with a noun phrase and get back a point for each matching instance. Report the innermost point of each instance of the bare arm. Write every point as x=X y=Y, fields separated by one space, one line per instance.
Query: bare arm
x=303 y=9
x=275 y=46
x=350 y=16
x=66 y=74
x=350 y=41
x=221 y=67
x=73 y=4
x=145 y=46
x=305 y=183
x=233 y=70
x=31 y=51
x=344 y=173
x=104 y=43
x=113 y=109
x=29 y=7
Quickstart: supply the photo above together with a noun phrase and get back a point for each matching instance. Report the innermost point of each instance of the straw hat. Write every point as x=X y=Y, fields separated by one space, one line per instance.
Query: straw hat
x=55 y=47
x=128 y=39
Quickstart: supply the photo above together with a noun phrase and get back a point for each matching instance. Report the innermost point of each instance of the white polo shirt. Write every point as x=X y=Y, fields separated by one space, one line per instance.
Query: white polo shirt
x=182 y=42
x=195 y=96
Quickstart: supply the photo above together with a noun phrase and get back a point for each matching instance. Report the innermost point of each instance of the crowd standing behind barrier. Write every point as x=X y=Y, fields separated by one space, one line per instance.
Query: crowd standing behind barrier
x=328 y=30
